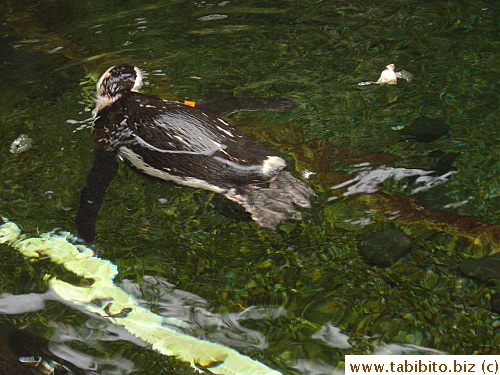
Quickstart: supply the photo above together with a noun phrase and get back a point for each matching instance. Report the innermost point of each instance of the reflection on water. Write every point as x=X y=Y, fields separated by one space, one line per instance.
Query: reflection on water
x=413 y=163
x=24 y=353
x=397 y=349
x=181 y=310
x=189 y=313
x=166 y=334
x=331 y=335
x=368 y=180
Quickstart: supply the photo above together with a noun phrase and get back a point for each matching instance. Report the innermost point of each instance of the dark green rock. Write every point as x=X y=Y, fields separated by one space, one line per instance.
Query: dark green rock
x=385 y=247
x=426 y=129
x=495 y=303
x=482 y=268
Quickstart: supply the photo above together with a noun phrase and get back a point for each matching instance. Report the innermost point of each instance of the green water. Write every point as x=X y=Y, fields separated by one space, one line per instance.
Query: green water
x=314 y=52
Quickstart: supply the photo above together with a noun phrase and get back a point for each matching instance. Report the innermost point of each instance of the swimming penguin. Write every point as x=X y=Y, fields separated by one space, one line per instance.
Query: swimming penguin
x=187 y=145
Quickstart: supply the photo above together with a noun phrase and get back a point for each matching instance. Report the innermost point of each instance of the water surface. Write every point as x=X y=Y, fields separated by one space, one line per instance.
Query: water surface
x=417 y=161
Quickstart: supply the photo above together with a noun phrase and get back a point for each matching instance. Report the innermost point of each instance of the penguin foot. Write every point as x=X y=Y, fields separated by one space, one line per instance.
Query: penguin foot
x=268 y=206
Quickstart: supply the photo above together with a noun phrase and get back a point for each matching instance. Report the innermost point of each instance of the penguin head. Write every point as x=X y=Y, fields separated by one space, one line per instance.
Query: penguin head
x=117 y=81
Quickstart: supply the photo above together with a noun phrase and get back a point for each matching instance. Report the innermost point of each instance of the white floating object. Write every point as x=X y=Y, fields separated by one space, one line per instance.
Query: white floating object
x=306 y=174
x=21 y=144
x=213 y=17
x=389 y=76
x=55 y=49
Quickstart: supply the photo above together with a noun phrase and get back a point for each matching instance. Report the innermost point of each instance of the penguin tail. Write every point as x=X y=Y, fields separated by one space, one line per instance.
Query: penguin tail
x=269 y=205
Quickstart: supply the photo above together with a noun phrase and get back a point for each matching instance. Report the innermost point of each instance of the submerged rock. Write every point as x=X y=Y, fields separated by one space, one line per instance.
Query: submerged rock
x=385 y=247
x=426 y=129
x=483 y=269
x=495 y=303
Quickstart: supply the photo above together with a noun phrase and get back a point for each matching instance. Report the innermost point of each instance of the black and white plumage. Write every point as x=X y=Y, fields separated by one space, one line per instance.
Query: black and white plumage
x=188 y=146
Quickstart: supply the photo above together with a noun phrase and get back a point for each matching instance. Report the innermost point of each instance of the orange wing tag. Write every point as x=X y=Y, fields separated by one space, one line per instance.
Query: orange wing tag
x=189 y=103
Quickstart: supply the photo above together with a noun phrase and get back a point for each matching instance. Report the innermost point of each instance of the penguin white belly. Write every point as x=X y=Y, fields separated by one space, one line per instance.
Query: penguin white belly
x=138 y=162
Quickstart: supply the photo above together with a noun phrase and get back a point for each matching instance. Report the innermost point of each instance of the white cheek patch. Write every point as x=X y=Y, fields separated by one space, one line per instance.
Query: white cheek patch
x=138 y=162
x=138 y=79
x=102 y=78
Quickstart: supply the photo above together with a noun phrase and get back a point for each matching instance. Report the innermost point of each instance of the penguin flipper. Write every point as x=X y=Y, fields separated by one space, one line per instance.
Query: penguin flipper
x=103 y=171
x=226 y=106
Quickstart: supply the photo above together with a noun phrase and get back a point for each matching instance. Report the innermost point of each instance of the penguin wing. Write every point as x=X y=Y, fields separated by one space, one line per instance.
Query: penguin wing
x=172 y=128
